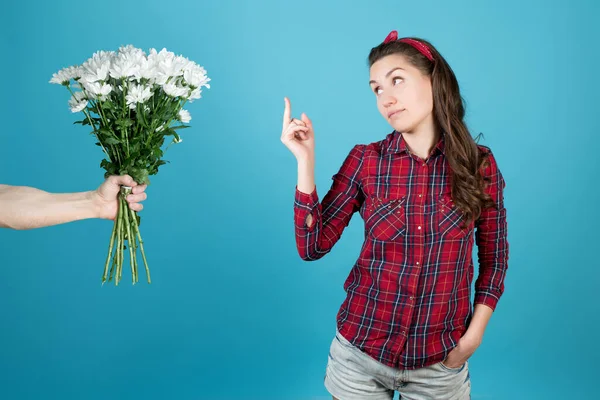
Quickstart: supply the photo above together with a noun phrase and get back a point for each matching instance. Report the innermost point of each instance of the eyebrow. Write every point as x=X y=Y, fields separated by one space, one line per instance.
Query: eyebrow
x=386 y=75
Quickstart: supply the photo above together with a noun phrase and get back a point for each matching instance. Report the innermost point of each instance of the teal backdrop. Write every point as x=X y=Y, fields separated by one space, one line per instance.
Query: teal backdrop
x=233 y=312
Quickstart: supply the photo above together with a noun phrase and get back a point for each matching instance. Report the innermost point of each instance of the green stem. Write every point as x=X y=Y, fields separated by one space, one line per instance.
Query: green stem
x=87 y=114
x=102 y=115
x=137 y=232
x=124 y=130
x=182 y=103
x=122 y=247
x=112 y=266
x=110 y=250
x=119 y=245
x=135 y=264
x=130 y=240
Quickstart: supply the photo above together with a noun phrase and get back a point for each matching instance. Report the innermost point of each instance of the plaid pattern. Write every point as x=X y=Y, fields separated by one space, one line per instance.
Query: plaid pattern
x=408 y=294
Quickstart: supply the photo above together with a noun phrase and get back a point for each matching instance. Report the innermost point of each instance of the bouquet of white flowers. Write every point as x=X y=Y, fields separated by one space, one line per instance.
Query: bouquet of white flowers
x=132 y=102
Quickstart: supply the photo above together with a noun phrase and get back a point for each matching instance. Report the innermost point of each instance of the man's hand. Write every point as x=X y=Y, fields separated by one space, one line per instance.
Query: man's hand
x=105 y=197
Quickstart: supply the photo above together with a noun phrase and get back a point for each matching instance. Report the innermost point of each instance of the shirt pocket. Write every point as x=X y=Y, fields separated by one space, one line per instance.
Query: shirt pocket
x=385 y=218
x=450 y=219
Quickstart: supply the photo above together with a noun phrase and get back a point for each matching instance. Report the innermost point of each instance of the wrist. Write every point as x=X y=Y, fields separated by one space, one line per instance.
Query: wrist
x=306 y=162
x=93 y=203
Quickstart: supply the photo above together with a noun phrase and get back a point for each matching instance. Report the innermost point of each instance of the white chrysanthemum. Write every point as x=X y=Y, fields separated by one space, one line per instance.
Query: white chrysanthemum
x=127 y=63
x=146 y=70
x=137 y=94
x=97 y=67
x=195 y=94
x=97 y=90
x=180 y=64
x=174 y=90
x=165 y=66
x=124 y=68
x=64 y=76
x=131 y=51
x=195 y=76
x=78 y=102
x=184 y=116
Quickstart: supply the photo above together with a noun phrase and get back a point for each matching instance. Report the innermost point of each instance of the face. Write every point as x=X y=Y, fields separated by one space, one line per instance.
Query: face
x=403 y=93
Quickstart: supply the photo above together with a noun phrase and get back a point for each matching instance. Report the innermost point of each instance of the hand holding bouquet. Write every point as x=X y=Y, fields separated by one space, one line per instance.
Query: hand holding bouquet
x=133 y=103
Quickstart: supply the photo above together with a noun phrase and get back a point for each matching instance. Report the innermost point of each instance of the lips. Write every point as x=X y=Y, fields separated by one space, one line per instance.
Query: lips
x=392 y=113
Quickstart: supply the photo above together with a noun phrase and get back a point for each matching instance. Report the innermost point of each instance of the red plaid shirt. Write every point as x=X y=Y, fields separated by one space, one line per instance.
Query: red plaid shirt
x=408 y=293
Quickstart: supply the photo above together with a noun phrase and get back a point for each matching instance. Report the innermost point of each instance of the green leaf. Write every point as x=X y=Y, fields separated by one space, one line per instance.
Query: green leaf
x=124 y=122
x=140 y=175
x=181 y=127
x=111 y=140
x=135 y=147
x=105 y=131
x=157 y=152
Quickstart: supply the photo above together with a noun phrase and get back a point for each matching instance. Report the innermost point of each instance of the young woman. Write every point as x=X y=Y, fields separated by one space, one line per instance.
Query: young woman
x=426 y=193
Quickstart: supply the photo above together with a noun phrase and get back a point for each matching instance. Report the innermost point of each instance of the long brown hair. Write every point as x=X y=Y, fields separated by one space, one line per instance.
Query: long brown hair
x=464 y=157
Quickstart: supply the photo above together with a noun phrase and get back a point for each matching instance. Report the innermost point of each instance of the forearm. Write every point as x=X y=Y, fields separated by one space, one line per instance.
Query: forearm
x=306 y=176
x=306 y=181
x=27 y=208
x=479 y=321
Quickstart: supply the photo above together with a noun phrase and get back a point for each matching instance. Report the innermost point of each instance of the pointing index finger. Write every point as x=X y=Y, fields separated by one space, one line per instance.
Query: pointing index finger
x=287 y=113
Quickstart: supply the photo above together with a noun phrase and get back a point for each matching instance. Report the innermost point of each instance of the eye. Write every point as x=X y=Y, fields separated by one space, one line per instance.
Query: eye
x=377 y=90
x=397 y=79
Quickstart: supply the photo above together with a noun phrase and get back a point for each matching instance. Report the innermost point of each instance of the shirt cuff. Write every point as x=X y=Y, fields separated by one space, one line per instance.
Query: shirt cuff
x=487 y=299
x=305 y=204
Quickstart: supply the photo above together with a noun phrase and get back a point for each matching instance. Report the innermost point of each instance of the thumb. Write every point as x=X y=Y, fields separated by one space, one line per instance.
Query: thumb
x=124 y=180
x=306 y=120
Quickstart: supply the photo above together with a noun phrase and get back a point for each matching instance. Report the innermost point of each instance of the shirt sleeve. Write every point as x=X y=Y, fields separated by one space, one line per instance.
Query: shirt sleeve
x=331 y=216
x=491 y=239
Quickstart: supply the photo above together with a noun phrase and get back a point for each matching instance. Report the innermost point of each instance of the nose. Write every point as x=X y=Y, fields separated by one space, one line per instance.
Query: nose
x=388 y=101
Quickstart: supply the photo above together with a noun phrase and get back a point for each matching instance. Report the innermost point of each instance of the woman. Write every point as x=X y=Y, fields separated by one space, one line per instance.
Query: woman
x=426 y=192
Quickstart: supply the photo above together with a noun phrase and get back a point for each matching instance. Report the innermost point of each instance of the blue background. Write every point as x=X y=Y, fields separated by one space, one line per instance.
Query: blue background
x=232 y=311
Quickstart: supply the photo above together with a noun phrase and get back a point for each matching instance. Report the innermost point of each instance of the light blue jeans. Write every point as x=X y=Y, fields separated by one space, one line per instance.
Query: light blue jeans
x=353 y=375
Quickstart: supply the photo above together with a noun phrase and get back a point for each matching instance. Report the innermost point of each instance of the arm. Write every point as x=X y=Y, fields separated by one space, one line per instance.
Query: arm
x=479 y=321
x=24 y=207
x=492 y=250
x=491 y=239
x=319 y=225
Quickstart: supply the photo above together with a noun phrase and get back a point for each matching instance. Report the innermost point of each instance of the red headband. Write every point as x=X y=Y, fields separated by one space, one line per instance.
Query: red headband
x=422 y=48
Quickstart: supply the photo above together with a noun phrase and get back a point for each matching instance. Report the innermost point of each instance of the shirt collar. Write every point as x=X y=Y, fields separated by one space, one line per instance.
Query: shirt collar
x=395 y=143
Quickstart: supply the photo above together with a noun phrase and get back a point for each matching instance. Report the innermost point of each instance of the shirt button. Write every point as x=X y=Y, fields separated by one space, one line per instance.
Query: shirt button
x=417 y=263
x=420 y=195
x=411 y=298
x=418 y=227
